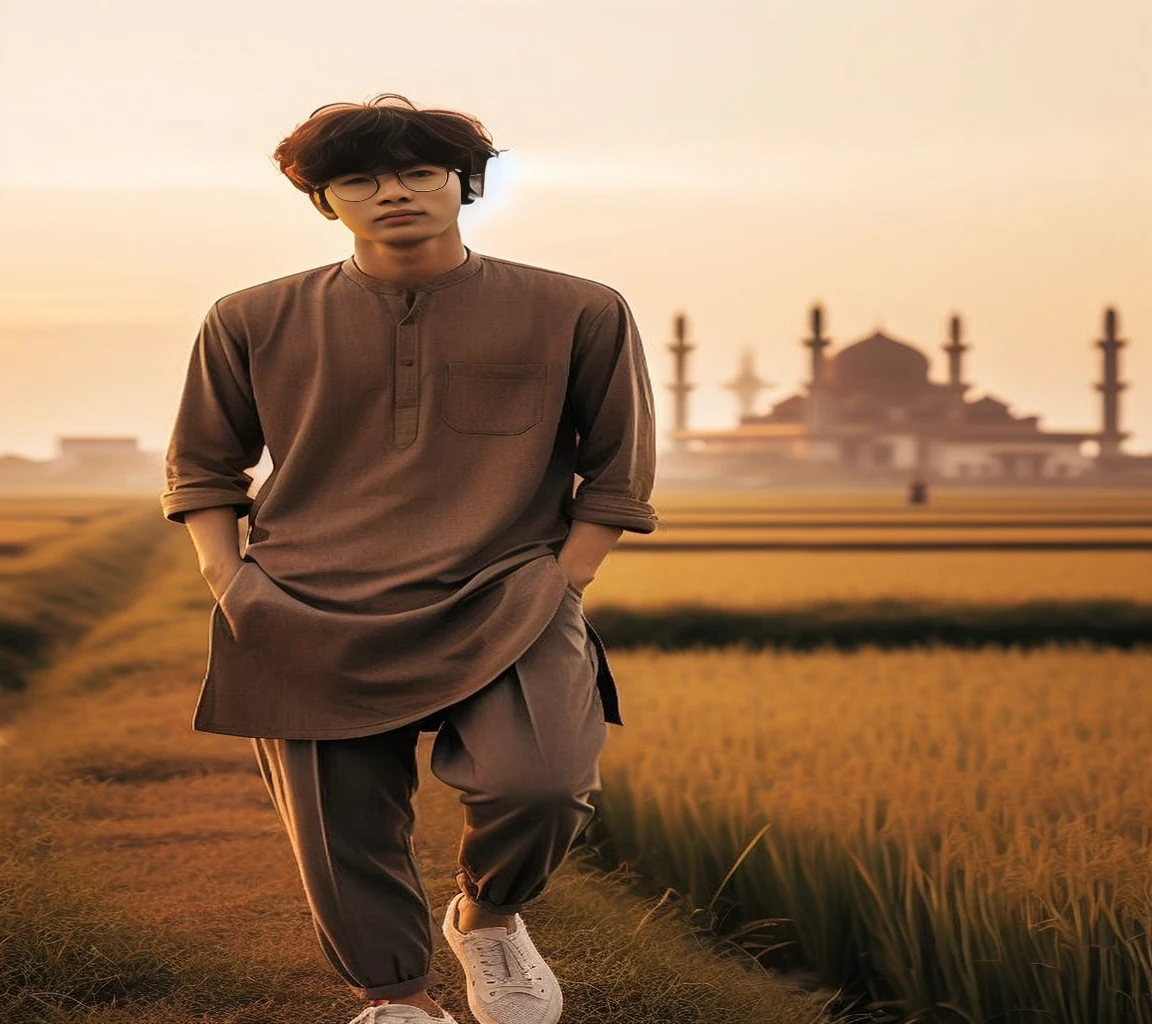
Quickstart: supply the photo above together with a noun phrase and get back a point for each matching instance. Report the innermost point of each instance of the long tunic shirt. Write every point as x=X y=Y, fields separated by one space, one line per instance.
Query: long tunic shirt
x=425 y=444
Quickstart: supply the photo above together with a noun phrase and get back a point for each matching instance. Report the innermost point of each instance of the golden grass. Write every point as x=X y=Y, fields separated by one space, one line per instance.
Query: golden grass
x=887 y=500
x=55 y=529
x=772 y=515
x=65 y=583
x=915 y=801
x=643 y=577
x=742 y=579
x=929 y=731
x=861 y=533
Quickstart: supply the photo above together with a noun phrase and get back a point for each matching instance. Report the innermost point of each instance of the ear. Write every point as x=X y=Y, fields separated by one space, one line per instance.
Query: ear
x=322 y=206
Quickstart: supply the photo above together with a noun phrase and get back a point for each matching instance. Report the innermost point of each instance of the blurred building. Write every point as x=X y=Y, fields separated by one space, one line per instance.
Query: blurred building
x=871 y=412
x=98 y=464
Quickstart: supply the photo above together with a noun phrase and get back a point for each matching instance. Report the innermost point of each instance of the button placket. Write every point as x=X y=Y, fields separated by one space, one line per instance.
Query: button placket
x=406 y=407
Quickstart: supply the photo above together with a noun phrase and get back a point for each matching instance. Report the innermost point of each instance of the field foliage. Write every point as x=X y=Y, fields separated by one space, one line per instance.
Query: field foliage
x=961 y=832
x=950 y=835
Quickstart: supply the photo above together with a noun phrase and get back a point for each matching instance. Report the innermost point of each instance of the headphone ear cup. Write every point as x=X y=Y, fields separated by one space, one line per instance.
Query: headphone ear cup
x=477 y=164
x=471 y=187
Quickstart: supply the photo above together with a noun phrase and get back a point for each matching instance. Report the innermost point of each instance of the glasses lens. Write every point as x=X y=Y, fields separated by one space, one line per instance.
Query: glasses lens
x=354 y=188
x=424 y=177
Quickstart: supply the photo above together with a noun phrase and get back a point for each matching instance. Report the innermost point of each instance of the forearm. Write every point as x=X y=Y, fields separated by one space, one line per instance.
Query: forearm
x=586 y=546
x=610 y=397
x=216 y=536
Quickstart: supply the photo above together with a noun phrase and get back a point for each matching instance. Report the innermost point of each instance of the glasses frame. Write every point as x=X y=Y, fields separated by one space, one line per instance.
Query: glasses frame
x=381 y=174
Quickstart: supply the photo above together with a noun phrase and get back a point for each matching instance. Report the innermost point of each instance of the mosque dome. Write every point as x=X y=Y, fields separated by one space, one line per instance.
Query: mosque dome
x=879 y=359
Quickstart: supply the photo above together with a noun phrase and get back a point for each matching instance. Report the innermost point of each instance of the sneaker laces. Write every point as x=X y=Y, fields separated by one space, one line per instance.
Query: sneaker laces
x=508 y=975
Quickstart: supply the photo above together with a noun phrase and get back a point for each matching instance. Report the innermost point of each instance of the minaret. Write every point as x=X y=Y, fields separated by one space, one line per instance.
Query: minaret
x=817 y=393
x=1110 y=387
x=680 y=349
x=747 y=385
x=956 y=349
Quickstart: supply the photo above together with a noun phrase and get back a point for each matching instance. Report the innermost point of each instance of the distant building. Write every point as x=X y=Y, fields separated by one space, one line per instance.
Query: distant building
x=870 y=412
x=104 y=464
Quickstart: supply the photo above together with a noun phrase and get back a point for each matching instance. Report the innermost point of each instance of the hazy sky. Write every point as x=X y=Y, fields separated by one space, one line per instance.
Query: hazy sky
x=896 y=160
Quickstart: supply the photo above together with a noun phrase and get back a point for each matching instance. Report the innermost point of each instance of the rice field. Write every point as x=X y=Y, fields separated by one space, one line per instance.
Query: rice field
x=640 y=575
x=964 y=829
x=981 y=519
x=954 y=835
x=749 y=580
x=36 y=533
x=948 y=835
x=942 y=500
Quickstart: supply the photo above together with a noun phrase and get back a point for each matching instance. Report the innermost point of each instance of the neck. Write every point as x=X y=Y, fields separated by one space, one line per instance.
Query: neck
x=412 y=265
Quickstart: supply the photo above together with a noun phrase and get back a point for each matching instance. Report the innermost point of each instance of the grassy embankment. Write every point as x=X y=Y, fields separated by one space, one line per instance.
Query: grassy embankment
x=65 y=563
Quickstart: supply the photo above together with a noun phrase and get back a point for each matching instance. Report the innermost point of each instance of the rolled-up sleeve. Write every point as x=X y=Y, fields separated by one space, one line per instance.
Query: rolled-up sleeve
x=610 y=396
x=217 y=432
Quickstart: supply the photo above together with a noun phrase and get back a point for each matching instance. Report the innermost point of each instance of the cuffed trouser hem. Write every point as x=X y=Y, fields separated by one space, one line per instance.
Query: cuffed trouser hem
x=493 y=909
x=402 y=988
x=468 y=887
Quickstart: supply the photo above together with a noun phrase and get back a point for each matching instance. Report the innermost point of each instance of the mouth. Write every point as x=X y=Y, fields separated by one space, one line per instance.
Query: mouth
x=398 y=216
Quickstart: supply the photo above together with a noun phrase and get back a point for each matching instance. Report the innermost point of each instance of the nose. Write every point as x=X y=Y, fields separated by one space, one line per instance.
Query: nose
x=390 y=186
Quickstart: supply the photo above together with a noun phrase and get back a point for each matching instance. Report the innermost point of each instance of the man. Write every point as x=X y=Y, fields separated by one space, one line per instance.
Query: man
x=416 y=559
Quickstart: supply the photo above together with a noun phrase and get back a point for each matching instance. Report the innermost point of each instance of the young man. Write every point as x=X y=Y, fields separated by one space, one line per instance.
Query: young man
x=416 y=559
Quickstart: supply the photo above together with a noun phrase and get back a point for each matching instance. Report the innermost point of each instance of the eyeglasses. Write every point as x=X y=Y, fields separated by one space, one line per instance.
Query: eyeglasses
x=356 y=188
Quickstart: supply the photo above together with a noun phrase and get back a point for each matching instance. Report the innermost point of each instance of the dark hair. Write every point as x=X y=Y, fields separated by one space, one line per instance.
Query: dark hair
x=339 y=138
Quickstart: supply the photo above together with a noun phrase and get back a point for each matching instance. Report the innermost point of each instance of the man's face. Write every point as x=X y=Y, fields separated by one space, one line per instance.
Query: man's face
x=435 y=210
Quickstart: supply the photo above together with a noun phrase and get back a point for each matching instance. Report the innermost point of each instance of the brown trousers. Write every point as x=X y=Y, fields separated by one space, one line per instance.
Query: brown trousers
x=524 y=752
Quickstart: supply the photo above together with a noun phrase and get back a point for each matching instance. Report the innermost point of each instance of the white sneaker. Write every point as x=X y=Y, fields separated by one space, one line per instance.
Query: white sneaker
x=397 y=1012
x=509 y=982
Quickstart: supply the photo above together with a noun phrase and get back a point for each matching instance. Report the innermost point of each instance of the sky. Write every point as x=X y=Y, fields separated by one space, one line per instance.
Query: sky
x=896 y=162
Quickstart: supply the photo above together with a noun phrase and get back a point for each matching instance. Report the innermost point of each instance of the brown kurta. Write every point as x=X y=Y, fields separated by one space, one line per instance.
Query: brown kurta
x=402 y=552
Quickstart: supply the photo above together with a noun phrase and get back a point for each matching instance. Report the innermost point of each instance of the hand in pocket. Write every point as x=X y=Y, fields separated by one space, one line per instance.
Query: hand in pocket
x=218 y=583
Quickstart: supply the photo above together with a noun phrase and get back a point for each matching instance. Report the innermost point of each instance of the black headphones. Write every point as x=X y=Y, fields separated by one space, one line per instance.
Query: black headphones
x=472 y=187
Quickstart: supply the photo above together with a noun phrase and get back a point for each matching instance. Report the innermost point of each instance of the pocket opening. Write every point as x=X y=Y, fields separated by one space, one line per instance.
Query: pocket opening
x=494 y=398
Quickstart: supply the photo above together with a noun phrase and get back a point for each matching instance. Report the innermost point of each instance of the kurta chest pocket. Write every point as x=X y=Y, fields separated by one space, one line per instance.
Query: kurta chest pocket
x=494 y=398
